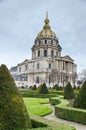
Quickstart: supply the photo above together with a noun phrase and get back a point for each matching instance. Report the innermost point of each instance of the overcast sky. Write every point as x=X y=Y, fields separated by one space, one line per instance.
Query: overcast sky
x=21 y=20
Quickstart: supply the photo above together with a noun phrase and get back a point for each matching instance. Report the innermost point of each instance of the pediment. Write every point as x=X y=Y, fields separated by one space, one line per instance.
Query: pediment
x=67 y=57
x=25 y=61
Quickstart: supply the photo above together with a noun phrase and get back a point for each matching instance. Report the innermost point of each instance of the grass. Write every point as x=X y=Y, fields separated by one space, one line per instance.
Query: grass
x=37 y=107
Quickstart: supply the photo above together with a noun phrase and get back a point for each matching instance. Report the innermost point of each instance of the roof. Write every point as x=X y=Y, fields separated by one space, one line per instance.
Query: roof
x=67 y=57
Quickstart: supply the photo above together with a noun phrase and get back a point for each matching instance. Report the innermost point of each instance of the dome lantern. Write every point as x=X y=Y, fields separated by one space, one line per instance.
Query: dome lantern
x=46 y=32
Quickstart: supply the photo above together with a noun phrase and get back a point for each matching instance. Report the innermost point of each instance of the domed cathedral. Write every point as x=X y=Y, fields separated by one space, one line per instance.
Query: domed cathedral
x=46 y=65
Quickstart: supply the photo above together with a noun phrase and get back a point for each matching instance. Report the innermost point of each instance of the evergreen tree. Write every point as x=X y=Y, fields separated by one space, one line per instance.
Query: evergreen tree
x=68 y=92
x=13 y=114
x=80 y=100
x=42 y=89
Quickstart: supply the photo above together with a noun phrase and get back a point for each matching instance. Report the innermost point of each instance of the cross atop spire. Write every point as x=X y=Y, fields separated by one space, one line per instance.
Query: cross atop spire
x=46 y=14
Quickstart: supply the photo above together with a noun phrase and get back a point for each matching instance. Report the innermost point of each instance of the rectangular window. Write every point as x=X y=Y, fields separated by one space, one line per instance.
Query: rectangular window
x=26 y=78
x=45 y=52
x=63 y=65
x=38 y=66
x=52 y=53
x=51 y=42
x=19 y=69
x=45 y=41
x=38 y=53
x=26 y=67
x=49 y=66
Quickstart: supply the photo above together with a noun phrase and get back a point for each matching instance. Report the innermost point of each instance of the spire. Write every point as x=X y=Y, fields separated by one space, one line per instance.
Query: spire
x=46 y=21
x=46 y=14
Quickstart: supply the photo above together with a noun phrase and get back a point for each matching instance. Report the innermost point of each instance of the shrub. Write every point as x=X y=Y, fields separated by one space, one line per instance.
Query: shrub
x=80 y=101
x=68 y=92
x=74 y=86
x=42 y=89
x=34 y=87
x=56 y=87
x=13 y=114
x=78 y=88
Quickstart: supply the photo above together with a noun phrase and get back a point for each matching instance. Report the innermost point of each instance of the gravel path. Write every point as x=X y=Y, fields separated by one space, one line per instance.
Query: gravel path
x=53 y=117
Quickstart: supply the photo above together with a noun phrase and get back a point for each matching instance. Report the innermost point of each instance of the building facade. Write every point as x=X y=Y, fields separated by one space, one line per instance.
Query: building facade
x=47 y=64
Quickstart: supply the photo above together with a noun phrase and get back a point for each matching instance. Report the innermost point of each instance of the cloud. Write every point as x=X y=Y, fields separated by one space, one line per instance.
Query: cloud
x=21 y=20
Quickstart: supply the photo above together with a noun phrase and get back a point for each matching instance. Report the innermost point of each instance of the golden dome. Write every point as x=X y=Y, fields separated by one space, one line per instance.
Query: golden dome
x=46 y=31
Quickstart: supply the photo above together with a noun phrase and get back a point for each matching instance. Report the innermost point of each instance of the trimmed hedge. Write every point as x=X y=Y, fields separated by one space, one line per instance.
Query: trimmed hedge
x=36 y=124
x=59 y=92
x=35 y=94
x=63 y=110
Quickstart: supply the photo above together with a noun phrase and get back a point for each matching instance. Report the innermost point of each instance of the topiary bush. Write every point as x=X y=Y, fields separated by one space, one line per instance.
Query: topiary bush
x=13 y=113
x=56 y=87
x=68 y=92
x=80 y=100
x=42 y=89
x=34 y=87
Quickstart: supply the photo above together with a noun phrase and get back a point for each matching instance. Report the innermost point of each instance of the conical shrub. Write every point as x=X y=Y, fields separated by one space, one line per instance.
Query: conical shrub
x=42 y=89
x=56 y=87
x=80 y=100
x=68 y=92
x=13 y=113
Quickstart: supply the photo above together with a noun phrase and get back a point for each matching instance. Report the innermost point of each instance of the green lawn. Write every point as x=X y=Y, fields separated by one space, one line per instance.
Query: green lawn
x=37 y=107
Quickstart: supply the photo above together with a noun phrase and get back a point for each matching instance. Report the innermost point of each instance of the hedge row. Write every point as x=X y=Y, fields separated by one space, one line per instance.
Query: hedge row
x=63 y=110
x=31 y=94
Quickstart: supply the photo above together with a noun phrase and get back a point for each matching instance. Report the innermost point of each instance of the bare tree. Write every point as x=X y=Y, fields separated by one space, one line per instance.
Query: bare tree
x=82 y=77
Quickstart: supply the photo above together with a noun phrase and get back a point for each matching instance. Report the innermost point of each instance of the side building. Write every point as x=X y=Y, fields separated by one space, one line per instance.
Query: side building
x=47 y=64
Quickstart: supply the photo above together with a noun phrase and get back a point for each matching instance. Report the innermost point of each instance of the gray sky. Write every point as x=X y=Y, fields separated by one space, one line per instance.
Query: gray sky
x=21 y=20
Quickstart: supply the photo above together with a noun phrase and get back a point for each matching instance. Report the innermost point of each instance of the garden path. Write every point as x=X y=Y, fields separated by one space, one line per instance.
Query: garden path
x=53 y=117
